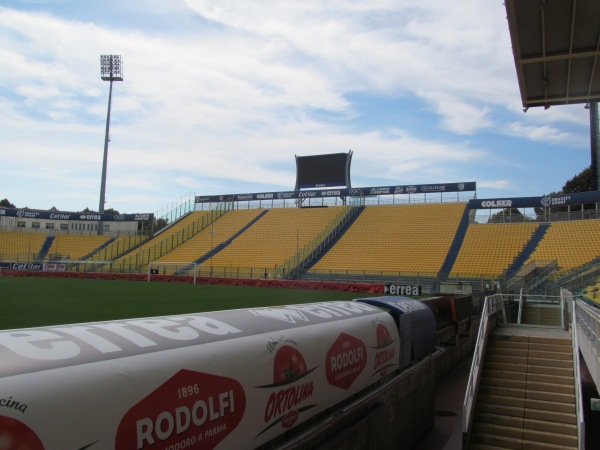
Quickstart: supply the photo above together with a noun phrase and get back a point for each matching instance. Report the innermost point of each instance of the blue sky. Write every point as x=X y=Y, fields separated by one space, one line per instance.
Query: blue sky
x=218 y=97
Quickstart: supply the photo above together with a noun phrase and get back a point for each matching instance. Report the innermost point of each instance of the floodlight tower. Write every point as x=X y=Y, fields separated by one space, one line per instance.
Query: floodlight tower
x=111 y=69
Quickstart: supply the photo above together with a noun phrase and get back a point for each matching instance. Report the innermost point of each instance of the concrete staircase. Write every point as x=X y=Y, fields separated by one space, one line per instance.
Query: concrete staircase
x=526 y=399
x=547 y=315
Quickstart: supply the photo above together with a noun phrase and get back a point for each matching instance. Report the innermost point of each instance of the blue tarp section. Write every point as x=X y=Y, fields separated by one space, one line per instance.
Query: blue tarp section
x=423 y=321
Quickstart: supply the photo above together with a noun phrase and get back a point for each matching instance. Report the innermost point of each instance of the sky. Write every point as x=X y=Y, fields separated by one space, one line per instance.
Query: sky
x=219 y=96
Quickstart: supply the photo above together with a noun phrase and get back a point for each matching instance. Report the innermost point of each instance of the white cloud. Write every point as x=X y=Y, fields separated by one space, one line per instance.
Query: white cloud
x=494 y=184
x=540 y=133
x=230 y=102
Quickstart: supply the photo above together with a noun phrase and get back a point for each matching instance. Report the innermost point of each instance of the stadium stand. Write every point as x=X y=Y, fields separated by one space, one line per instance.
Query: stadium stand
x=219 y=231
x=168 y=239
x=117 y=247
x=74 y=246
x=490 y=249
x=413 y=238
x=18 y=246
x=277 y=237
x=592 y=293
x=410 y=241
x=571 y=244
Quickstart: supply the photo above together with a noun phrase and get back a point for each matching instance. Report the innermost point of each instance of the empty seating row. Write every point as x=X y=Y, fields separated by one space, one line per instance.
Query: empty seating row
x=404 y=239
x=278 y=236
x=20 y=246
x=490 y=249
x=75 y=246
x=571 y=244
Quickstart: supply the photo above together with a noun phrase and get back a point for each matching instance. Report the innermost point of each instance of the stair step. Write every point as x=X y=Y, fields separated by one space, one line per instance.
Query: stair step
x=569 y=429
x=502 y=410
x=501 y=382
x=498 y=430
x=503 y=344
x=561 y=371
x=506 y=359
x=550 y=438
x=556 y=417
x=554 y=397
x=499 y=419
x=497 y=442
x=530 y=445
x=550 y=340
x=477 y=446
x=501 y=400
x=550 y=403
x=542 y=312
x=539 y=319
x=545 y=362
x=509 y=338
x=504 y=366
x=550 y=347
x=550 y=355
x=502 y=374
x=501 y=390
x=551 y=379
x=535 y=385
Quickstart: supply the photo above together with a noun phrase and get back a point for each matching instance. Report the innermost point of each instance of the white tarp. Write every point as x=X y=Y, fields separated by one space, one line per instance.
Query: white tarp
x=228 y=379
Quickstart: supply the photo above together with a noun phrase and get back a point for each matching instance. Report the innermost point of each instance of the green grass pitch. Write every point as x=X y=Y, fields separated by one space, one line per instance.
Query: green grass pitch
x=31 y=302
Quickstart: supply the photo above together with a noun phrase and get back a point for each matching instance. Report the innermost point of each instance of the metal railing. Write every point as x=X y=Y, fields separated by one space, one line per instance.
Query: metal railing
x=588 y=327
x=568 y=299
x=588 y=323
x=312 y=249
x=492 y=305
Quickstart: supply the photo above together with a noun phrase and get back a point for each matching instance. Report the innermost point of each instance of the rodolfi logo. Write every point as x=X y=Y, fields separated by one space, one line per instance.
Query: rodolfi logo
x=385 y=356
x=345 y=361
x=190 y=410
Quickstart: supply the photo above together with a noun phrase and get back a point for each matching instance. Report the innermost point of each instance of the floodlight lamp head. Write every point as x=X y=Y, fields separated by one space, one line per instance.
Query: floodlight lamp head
x=111 y=67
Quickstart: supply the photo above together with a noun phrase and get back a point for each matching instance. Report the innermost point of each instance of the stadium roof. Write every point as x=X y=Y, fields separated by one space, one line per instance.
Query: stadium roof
x=556 y=45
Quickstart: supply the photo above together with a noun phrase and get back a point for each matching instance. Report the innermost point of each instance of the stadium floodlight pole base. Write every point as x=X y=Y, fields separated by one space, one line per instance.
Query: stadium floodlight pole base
x=173 y=269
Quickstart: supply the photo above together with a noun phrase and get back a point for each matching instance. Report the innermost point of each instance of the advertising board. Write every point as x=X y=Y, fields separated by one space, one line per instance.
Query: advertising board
x=227 y=379
x=78 y=216
x=546 y=201
x=40 y=267
x=402 y=289
x=343 y=192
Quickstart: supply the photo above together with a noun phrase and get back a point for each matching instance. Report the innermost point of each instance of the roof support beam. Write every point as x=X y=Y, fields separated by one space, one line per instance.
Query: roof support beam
x=560 y=57
x=571 y=33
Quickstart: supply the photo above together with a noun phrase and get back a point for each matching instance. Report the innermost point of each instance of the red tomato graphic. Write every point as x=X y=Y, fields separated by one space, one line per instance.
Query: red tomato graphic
x=383 y=336
x=15 y=435
x=289 y=364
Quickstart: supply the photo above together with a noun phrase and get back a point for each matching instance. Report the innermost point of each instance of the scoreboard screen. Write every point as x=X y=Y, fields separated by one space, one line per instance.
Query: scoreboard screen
x=318 y=171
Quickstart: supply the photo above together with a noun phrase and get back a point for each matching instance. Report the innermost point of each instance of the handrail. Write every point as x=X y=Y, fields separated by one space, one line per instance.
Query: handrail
x=492 y=305
x=522 y=303
x=577 y=277
x=588 y=324
x=567 y=296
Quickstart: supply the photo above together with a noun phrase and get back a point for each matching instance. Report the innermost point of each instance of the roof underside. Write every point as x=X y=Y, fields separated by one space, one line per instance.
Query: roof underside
x=556 y=45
